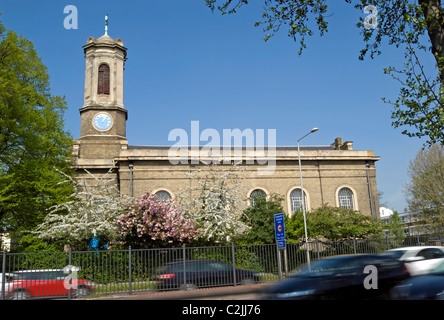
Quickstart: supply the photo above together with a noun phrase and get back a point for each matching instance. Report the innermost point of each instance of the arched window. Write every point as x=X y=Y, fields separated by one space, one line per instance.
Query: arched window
x=296 y=200
x=163 y=195
x=346 y=198
x=257 y=193
x=103 y=82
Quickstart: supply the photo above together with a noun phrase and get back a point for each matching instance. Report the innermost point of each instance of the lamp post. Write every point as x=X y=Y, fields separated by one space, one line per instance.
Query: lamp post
x=303 y=197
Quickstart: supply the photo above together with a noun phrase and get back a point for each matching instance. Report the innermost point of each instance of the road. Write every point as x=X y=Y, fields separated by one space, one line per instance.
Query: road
x=246 y=296
x=247 y=292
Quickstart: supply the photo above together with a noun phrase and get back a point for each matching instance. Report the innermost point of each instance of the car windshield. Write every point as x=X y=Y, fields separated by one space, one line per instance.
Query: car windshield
x=40 y=275
x=327 y=267
x=395 y=253
x=190 y=266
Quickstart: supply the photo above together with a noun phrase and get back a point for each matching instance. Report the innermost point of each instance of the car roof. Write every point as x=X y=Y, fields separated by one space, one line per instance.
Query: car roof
x=6 y=274
x=416 y=248
x=195 y=260
x=38 y=270
x=352 y=256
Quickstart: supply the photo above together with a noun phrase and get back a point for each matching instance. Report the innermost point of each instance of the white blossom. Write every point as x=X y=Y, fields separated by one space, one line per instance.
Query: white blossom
x=216 y=201
x=92 y=210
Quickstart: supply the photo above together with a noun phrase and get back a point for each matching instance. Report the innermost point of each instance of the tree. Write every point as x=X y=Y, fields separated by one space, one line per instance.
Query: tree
x=32 y=137
x=91 y=210
x=260 y=218
x=395 y=226
x=425 y=190
x=333 y=223
x=415 y=27
x=31 y=243
x=150 y=222
x=216 y=202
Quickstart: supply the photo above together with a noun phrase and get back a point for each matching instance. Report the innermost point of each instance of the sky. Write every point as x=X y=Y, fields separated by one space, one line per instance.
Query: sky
x=186 y=63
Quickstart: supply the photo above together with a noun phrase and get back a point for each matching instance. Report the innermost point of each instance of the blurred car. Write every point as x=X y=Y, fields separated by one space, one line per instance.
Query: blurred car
x=340 y=277
x=419 y=259
x=46 y=284
x=8 y=277
x=201 y=273
x=422 y=287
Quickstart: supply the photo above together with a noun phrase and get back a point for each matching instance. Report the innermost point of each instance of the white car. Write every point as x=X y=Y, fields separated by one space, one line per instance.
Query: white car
x=420 y=259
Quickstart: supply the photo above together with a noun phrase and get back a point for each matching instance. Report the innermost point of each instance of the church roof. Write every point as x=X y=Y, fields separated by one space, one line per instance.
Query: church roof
x=133 y=147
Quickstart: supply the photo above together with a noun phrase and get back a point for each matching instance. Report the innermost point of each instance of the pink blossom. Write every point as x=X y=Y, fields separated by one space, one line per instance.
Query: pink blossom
x=156 y=219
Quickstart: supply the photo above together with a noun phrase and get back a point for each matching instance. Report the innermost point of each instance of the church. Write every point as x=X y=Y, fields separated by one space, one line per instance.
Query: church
x=334 y=174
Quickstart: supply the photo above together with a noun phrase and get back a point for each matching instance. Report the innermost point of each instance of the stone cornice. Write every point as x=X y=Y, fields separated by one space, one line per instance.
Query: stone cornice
x=141 y=153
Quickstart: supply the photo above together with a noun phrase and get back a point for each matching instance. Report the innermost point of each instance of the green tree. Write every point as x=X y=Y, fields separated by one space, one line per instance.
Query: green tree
x=425 y=190
x=260 y=218
x=332 y=223
x=31 y=243
x=394 y=226
x=416 y=27
x=32 y=136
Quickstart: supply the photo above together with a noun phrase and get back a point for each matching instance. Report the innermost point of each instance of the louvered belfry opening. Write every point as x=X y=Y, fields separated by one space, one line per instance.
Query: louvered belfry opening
x=103 y=85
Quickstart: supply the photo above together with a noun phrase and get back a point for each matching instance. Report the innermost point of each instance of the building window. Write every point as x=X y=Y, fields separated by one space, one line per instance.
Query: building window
x=257 y=193
x=346 y=198
x=296 y=200
x=103 y=82
x=163 y=195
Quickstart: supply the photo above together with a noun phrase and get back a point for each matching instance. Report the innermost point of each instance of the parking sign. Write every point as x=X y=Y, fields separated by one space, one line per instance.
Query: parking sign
x=279 y=229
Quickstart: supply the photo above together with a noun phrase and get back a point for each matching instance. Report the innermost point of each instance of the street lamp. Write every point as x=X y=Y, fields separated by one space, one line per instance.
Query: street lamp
x=303 y=197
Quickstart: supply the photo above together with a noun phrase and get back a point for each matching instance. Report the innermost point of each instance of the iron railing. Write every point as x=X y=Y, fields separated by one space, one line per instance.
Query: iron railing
x=96 y=273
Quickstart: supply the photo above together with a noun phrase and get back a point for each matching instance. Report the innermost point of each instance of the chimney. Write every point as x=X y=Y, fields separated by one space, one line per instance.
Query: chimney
x=348 y=145
x=338 y=143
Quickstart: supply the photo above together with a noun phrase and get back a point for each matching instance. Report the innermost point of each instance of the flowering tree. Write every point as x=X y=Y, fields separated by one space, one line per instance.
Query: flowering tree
x=92 y=210
x=425 y=190
x=216 y=202
x=150 y=221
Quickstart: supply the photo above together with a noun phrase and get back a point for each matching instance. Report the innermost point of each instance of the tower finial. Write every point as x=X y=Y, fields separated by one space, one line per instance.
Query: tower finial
x=106 y=25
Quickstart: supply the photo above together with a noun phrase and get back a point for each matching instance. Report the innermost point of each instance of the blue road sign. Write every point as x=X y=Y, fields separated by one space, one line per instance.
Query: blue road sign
x=279 y=229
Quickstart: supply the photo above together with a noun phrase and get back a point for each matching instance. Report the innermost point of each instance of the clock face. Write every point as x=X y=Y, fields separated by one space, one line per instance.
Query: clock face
x=102 y=121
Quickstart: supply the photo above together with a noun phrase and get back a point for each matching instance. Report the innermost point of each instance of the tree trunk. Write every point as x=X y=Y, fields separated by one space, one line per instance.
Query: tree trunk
x=434 y=17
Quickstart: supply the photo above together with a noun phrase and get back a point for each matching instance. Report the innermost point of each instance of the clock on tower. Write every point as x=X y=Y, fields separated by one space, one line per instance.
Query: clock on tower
x=103 y=115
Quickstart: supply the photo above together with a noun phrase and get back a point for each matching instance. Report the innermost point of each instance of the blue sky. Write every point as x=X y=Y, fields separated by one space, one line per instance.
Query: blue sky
x=186 y=63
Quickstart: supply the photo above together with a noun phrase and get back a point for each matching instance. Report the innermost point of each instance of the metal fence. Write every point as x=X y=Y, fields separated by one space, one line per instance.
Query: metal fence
x=141 y=270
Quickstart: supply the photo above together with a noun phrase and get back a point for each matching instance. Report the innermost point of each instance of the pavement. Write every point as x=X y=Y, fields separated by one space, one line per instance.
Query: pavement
x=207 y=293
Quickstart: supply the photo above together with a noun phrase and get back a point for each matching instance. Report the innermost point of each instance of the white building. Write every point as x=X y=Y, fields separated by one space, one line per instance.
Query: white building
x=385 y=213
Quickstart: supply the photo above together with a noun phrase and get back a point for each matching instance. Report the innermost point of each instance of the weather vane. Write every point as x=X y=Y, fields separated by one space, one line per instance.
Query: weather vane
x=106 y=25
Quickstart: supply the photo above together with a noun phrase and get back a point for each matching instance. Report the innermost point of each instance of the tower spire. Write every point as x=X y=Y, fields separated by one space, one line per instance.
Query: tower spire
x=106 y=25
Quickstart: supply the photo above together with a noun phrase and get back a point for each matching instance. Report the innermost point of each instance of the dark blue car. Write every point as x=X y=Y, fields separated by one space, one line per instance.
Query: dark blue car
x=422 y=287
x=202 y=273
x=341 y=277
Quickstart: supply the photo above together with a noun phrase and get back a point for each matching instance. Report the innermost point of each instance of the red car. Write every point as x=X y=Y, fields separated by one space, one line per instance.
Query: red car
x=46 y=284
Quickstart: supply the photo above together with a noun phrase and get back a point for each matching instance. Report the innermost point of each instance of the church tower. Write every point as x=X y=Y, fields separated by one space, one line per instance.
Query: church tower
x=103 y=116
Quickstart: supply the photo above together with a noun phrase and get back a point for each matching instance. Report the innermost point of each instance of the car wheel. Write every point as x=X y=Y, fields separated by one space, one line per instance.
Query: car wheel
x=188 y=287
x=81 y=292
x=19 y=295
